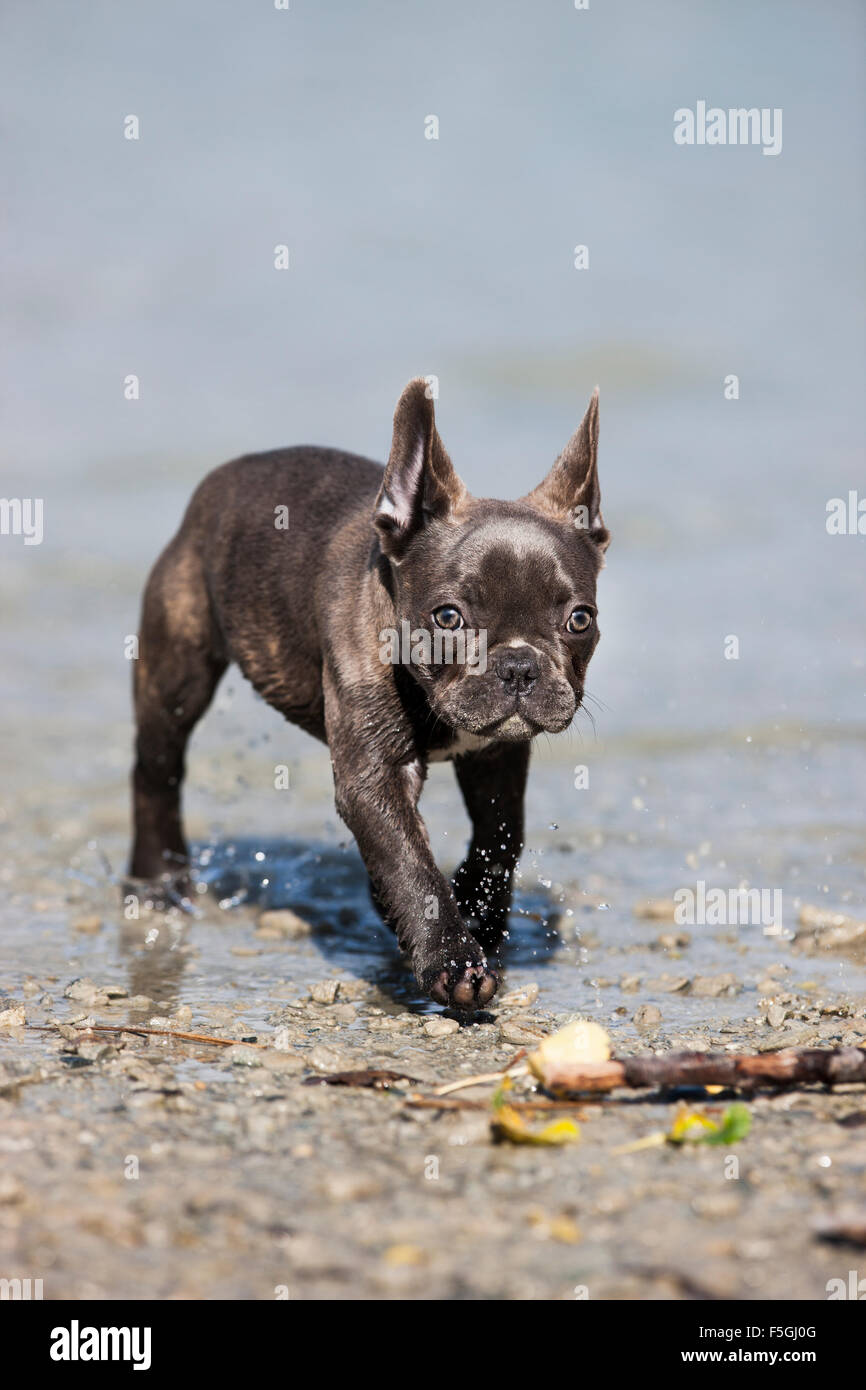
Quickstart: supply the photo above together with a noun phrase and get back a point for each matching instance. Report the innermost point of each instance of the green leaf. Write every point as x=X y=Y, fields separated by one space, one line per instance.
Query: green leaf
x=736 y=1123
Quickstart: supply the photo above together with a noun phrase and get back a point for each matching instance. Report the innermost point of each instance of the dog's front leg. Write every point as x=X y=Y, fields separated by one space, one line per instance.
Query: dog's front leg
x=378 y=802
x=493 y=783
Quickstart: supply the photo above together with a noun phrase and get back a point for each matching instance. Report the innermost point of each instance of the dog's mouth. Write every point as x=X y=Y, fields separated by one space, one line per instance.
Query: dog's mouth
x=492 y=714
x=514 y=726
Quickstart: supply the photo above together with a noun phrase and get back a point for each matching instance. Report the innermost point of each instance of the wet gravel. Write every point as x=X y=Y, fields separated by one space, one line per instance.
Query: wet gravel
x=149 y=1167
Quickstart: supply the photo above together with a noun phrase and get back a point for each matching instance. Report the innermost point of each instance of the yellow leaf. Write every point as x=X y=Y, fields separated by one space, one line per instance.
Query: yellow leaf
x=509 y=1124
x=651 y=1141
x=689 y=1124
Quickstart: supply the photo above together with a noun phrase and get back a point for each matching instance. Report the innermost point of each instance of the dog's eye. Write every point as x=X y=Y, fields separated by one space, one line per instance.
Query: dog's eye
x=448 y=616
x=579 y=619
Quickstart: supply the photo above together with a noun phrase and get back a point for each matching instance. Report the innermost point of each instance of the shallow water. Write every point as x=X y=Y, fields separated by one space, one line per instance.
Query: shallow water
x=452 y=258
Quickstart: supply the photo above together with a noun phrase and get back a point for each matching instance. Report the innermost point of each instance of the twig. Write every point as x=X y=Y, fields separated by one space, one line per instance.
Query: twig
x=791 y=1067
x=158 y=1033
x=481 y=1079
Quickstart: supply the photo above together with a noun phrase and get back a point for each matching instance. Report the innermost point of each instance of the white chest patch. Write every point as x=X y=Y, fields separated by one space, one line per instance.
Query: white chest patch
x=462 y=743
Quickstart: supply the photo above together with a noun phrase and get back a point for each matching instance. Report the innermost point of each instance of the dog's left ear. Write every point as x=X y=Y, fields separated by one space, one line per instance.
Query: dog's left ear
x=420 y=482
x=570 y=492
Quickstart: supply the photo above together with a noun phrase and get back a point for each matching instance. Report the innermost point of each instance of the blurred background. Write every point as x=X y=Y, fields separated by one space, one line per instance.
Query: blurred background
x=451 y=257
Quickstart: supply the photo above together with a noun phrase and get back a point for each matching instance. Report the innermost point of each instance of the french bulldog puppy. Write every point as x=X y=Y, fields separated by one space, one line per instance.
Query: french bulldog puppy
x=317 y=613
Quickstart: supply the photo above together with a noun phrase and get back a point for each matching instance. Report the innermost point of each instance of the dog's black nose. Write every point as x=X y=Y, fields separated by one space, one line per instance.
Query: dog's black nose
x=517 y=668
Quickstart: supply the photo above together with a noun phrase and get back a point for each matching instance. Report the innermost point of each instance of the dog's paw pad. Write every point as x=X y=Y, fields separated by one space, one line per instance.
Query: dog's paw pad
x=469 y=987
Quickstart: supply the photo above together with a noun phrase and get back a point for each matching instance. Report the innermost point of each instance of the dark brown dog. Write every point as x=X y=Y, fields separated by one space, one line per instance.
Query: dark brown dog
x=316 y=615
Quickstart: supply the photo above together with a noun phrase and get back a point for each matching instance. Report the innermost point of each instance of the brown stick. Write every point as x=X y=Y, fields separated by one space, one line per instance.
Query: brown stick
x=791 y=1067
x=155 y=1032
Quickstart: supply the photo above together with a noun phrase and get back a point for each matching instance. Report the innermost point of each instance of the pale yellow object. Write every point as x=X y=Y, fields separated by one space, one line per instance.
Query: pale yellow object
x=575 y=1044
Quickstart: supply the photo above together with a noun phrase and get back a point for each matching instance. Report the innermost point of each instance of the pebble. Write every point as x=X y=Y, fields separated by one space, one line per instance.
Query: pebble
x=350 y=1187
x=282 y=1040
x=711 y=986
x=96 y=1051
x=524 y=997
x=669 y=984
x=285 y=1063
x=14 y=1017
x=325 y=1058
x=674 y=940
x=647 y=1016
x=788 y=1037
x=84 y=991
x=655 y=909
x=517 y=1031
x=325 y=991
x=387 y=1023
x=441 y=1027
x=240 y=1055
x=282 y=923
x=88 y=925
x=356 y=989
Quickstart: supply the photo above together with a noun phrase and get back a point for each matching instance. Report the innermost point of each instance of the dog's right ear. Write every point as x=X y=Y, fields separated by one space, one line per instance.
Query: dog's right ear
x=420 y=482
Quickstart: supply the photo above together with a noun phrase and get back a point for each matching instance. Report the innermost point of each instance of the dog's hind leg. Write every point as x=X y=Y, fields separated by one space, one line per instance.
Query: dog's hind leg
x=181 y=659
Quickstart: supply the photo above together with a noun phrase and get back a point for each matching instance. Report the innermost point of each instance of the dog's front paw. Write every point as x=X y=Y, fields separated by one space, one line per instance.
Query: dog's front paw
x=463 y=984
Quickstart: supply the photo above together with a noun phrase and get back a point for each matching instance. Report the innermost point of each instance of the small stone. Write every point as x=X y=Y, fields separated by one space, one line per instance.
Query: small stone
x=674 y=940
x=647 y=1016
x=350 y=1187
x=387 y=1023
x=776 y=1015
x=88 y=925
x=711 y=986
x=329 y=1059
x=630 y=984
x=14 y=1017
x=355 y=989
x=521 y=1032
x=788 y=1037
x=655 y=909
x=282 y=923
x=441 y=1027
x=522 y=998
x=84 y=991
x=240 y=1055
x=769 y=987
x=398 y=1256
x=11 y=1190
x=325 y=992
x=671 y=984
x=283 y=1063
x=96 y=1051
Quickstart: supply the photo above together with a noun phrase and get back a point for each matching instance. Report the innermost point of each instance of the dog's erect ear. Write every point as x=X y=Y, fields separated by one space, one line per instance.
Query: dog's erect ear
x=570 y=492
x=420 y=482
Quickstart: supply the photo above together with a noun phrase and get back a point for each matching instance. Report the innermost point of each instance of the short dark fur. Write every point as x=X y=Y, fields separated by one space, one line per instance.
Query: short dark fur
x=301 y=612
